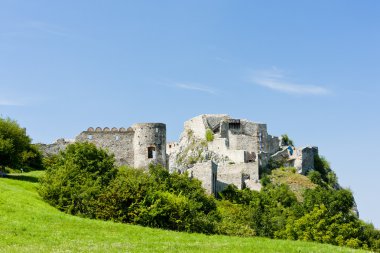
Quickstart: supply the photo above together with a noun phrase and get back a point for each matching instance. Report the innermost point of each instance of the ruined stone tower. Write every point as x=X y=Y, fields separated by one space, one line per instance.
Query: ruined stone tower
x=149 y=144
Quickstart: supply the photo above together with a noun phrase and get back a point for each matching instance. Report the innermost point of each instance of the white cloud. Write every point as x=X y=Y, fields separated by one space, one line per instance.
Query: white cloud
x=275 y=79
x=195 y=87
x=7 y=102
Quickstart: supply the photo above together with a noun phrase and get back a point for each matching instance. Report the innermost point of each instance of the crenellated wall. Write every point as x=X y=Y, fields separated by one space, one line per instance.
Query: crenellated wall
x=136 y=146
x=118 y=141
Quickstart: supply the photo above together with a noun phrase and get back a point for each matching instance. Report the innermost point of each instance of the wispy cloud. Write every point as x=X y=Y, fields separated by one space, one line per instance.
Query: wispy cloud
x=8 y=102
x=275 y=79
x=222 y=59
x=196 y=87
x=34 y=27
x=46 y=27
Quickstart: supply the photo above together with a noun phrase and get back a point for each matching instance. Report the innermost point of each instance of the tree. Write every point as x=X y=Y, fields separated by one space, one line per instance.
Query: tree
x=77 y=177
x=16 y=150
x=156 y=198
x=286 y=140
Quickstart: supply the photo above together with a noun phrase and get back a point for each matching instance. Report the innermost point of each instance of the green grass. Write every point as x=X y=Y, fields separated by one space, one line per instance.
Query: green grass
x=28 y=224
x=297 y=183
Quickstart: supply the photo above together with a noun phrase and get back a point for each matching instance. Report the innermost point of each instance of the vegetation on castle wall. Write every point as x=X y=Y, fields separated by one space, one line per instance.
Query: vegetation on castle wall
x=190 y=133
x=286 y=140
x=209 y=135
x=192 y=153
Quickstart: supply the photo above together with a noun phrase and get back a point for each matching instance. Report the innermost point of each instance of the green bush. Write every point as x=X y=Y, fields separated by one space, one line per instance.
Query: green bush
x=158 y=199
x=16 y=150
x=328 y=177
x=286 y=140
x=122 y=198
x=272 y=165
x=235 y=219
x=75 y=180
x=209 y=135
x=315 y=177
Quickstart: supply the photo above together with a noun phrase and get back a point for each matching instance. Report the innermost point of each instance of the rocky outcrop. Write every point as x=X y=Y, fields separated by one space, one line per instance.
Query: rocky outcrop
x=54 y=148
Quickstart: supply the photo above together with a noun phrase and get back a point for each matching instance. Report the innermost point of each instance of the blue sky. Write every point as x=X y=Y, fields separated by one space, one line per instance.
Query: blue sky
x=310 y=69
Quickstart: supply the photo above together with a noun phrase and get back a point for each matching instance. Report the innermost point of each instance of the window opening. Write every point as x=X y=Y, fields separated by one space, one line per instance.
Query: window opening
x=117 y=137
x=214 y=178
x=89 y=137
x=251 y=157
x=234 y=124
x=151 y=152
x=261 y=141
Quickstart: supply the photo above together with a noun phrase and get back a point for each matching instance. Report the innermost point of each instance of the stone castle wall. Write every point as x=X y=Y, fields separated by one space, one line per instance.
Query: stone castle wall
x=136 y=146
x=207 y=173
x=117 y=141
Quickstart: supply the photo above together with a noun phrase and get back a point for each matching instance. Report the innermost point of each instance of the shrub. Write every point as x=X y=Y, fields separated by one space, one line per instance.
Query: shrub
x=83 y=181
x=75 y=180
x=121 y=200
x=158 y=199
x=16 y=150
x=209 y=135
x=328 y=176
x=286 y=140
x=235 y=219
x=315 y=177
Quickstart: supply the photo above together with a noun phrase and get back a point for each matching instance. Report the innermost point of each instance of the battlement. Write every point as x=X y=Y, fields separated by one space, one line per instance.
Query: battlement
x=136 y=146
x=107 y=129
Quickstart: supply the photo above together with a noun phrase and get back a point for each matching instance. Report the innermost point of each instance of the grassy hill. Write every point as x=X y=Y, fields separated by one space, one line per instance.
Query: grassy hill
x=296 y=182
x=28 y=224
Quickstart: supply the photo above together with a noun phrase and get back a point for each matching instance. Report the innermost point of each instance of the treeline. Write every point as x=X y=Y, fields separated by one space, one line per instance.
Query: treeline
x=17 y=153
x=83 y=181
x=324 y=215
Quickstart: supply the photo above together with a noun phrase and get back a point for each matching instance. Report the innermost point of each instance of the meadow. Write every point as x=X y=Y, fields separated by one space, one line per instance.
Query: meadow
x=28 y=224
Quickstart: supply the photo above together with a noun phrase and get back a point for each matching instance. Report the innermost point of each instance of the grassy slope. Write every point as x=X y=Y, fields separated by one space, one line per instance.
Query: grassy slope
x=28 y=224
x=297 y=183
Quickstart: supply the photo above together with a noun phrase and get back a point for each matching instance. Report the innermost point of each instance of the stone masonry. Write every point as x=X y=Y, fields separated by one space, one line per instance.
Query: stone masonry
x=238 y=151
x=236 y=154
x=137 y=146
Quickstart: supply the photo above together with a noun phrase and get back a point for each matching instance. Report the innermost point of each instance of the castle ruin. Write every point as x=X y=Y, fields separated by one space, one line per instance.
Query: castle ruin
x=235 y=154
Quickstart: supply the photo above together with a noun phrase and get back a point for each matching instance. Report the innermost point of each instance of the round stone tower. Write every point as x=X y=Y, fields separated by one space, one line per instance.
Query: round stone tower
x=149 y=144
